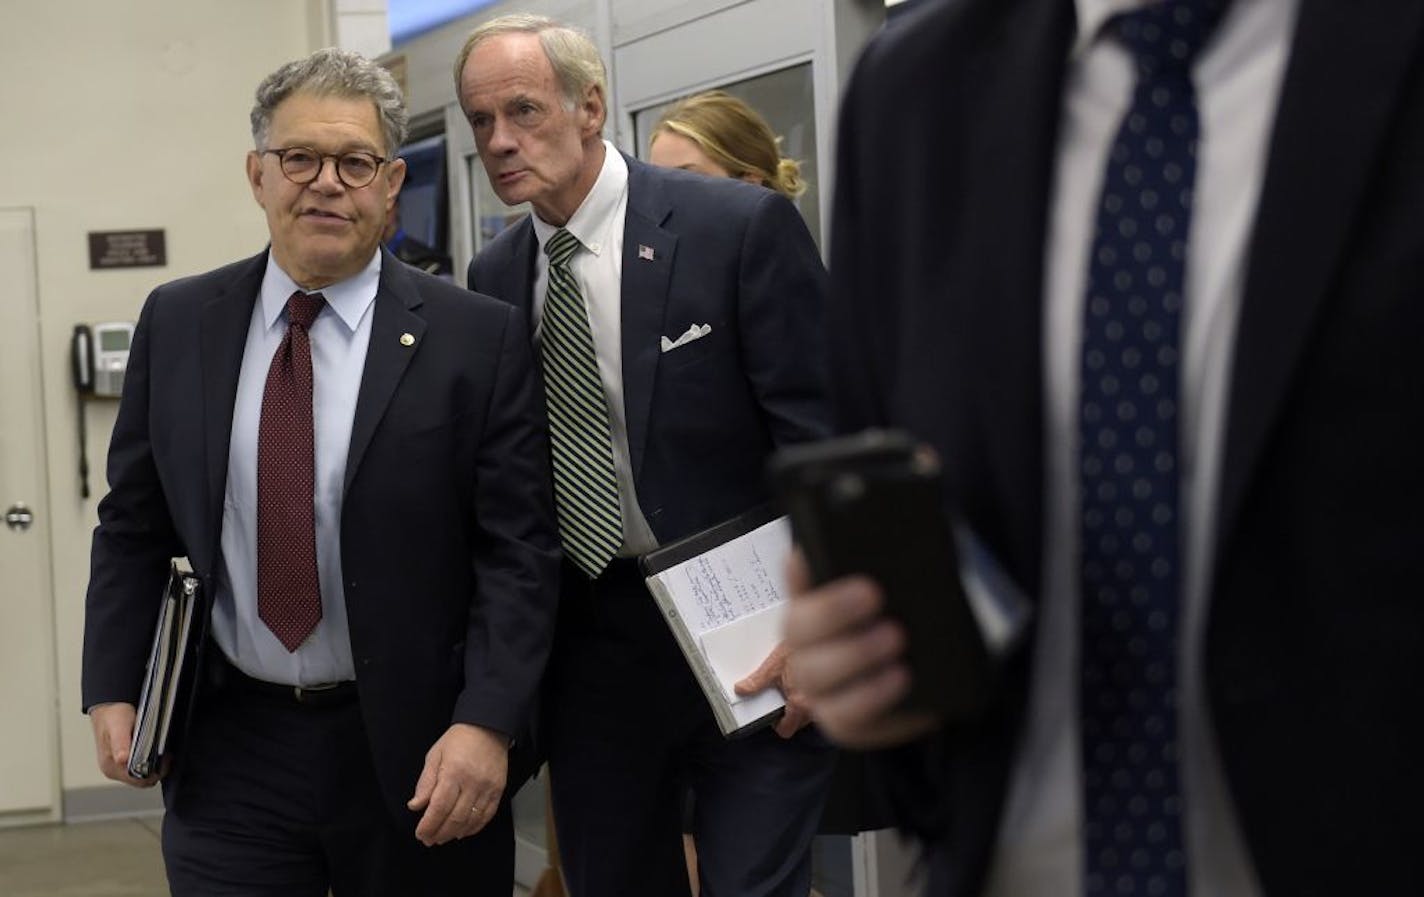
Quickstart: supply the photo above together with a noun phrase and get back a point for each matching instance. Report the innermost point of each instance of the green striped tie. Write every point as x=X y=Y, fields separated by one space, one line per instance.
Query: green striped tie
x=585 y=485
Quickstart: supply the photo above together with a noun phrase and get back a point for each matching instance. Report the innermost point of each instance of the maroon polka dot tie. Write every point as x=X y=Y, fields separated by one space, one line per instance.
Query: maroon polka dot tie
x=288 y=590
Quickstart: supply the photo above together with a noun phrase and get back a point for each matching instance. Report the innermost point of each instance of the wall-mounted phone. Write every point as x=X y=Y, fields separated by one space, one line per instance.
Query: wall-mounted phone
x=99 y=355
x=98 y=358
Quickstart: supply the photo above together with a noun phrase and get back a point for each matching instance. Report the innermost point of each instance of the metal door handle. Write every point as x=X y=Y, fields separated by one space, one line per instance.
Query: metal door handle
x=19 y=517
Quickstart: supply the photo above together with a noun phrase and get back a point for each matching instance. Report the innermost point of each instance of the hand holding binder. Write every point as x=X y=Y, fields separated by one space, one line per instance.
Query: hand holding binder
x=722 y=596
x=113 y=725
x=771 y=673
x=170 y=681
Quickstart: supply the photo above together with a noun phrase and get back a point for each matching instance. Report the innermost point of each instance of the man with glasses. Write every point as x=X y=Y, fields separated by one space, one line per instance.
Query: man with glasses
x=351 y=454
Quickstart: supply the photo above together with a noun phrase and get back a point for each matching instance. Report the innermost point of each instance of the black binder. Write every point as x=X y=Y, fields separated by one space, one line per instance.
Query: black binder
x=170 y=684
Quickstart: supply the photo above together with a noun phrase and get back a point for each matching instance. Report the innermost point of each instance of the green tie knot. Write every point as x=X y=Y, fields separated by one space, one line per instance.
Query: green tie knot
x=561 y=247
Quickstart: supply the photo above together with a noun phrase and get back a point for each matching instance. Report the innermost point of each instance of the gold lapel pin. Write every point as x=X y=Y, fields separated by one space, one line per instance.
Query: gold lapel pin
x=407 y=339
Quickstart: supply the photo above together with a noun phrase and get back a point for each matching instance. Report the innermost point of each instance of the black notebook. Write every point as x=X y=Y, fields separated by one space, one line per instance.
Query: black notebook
x=170 y=682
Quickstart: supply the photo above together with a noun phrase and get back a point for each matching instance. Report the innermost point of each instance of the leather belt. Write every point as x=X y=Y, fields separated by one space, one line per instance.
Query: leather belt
x=324 y=695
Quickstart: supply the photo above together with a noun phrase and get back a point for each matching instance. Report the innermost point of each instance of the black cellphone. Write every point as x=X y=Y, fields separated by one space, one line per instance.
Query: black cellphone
x=874 y=504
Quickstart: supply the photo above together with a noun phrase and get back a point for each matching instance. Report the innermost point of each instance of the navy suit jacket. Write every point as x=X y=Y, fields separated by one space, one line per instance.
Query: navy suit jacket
x=448 y=548
x=1314 y=648
x=703 y=418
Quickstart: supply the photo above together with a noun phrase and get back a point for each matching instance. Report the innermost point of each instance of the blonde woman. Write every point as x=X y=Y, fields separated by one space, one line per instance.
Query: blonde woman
x=715 y=133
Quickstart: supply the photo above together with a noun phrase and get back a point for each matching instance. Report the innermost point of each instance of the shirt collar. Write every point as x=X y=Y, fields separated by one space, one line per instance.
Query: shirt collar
x=1094 y=14
x=592 y=222
x=349 y=298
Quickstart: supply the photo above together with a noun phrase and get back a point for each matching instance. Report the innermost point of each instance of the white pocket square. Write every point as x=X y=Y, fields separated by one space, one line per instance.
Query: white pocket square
x=696 y=331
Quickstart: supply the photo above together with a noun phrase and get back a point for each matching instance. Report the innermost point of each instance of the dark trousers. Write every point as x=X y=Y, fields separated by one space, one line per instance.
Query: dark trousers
x=279 y=798
x=629 y=732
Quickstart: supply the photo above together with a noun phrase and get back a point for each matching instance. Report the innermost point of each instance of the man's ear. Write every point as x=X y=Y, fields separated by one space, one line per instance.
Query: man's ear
x=595 y=112
x=395 y=177
x=254 y=175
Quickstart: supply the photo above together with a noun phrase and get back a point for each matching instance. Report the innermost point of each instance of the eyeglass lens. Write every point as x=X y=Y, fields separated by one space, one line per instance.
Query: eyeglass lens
x=303 y=165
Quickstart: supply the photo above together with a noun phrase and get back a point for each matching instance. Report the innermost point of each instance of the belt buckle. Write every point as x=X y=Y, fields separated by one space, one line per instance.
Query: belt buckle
x=301 y=692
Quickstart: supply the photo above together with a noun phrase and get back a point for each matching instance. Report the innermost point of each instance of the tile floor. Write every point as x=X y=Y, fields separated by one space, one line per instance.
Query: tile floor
x=118 y=858
x=92 y=859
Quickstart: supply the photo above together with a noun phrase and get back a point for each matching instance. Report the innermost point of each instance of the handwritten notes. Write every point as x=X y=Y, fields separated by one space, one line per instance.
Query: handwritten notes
x=736 y=580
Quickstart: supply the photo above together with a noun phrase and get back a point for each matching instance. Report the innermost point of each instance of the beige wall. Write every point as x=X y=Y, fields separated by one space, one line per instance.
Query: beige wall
x=120 y=115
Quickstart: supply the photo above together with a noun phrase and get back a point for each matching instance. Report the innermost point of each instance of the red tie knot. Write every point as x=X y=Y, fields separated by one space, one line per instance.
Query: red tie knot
x=302 y=308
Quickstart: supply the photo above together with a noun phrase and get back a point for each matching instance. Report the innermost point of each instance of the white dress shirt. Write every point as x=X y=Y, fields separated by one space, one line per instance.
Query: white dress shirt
x=598 y=268
x=1238 y=78
x=339 y=337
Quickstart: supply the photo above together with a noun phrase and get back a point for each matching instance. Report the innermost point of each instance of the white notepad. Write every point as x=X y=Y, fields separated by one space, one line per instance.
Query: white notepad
x=723 y=594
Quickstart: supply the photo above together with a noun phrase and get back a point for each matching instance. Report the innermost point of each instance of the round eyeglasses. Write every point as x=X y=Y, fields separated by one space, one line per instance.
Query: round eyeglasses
x=302 y=165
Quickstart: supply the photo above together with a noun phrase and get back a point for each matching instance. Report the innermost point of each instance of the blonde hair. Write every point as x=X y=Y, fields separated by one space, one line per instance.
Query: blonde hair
x=736 y=137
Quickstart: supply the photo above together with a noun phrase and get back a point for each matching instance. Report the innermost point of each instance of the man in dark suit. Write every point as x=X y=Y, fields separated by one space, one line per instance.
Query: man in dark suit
x=1104 y=223
x=359 y=476
x=679 y=324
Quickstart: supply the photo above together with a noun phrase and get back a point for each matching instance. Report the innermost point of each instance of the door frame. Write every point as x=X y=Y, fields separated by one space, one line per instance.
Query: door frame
x=27 y=336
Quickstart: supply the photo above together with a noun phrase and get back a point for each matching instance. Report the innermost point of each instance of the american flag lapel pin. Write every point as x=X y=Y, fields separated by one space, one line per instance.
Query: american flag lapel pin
x=645 y=252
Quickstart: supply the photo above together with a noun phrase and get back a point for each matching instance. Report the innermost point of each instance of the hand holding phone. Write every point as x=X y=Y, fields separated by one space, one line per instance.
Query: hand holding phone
x=846 y=661
x=873 y=504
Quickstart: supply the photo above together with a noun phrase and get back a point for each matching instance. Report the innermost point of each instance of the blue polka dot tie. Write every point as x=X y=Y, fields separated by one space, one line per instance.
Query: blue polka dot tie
x=1129 y=446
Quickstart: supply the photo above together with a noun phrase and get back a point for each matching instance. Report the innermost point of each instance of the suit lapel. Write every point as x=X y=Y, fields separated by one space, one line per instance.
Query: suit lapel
x=644 y=298
x=222 y=337
x=1340 y=93
x=1012 y=153
x=516 y=284
x=387 y=356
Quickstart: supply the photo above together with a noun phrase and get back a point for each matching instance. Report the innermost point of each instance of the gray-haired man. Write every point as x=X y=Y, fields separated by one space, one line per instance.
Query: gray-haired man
x=351 y=454
x=652 y=441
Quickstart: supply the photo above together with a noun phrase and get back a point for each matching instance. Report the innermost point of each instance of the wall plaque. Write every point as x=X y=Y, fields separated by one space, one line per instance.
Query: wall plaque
x=127 y=249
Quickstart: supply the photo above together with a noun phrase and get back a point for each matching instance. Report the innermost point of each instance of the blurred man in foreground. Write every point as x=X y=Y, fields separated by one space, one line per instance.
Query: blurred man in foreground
x=1147 y=278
